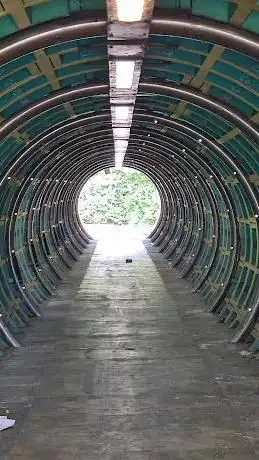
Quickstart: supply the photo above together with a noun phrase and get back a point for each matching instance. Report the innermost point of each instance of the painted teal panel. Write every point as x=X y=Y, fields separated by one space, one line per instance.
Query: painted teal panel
x=50 y=115
x=84 y=42
x=197 y=45
x=204 y=124
x=250 y=152
x=89 y=41
x=56 y=49
x=172 y=67
x=71 y=81
x=19 y=62
x=8 y=149
x=167 y=3
x=167 y=40
x=74 y=69
x=235 y=88
x=15 y=78
x=252 y=22
x=78 y=5
x=189 y=56
x=241 y=60
x=77 y=55
x=237 y=74
x=7 y=26
x=21 y=90
x=211 y=118
x=149 y=72
x=48 y=11
x=185 y=4
x=40 y=93
x=229 y=99
x=219 y=10
x=19 y=105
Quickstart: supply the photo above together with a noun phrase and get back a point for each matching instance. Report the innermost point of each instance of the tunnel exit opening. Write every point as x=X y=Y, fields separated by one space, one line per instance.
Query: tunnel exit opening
x=119 y=204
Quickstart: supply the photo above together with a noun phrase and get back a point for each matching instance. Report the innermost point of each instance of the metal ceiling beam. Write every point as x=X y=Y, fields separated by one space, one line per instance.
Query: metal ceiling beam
x=82 y=91
x=207 y=102
x=89 y=25
x=101 y=148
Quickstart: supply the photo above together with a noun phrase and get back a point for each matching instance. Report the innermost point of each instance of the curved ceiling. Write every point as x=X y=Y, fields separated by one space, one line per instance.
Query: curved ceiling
x=194 y=132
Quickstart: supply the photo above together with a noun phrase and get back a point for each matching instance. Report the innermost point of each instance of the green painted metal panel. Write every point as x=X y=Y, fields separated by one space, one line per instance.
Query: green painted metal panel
x=220 y=10
x=252 y=22
x=47 y=11
x=7 y=26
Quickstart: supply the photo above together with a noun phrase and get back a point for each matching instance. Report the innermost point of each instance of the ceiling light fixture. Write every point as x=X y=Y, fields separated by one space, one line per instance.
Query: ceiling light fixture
x=124 y=74
x=121 y=133
x=121 y=112
x=130 y=10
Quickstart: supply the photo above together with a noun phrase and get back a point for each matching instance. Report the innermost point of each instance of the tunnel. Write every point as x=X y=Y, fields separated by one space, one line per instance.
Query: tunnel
x=191 y=126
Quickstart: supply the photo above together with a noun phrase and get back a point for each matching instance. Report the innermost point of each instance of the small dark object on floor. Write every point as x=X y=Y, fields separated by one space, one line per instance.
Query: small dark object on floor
x=128 y=261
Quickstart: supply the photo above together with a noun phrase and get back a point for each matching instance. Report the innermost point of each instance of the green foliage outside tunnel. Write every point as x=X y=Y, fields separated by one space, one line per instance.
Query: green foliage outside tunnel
x=120 y=197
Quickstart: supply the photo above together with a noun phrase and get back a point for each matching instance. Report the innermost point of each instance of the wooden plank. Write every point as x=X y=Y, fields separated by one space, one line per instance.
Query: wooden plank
x=19 y=136
x=34 y=69
x=244 y=8
x=2 y=10
x=181 y=106
x=255 y=118
x=235 y=131
x=254 y=178
x=186 y=79
x=230 y=135
x=208 y=63
x=46 y=68
x=16 y=9
x=179 y=109
x=69 y=109
x=198 y=80
x=56 y=61
x=34 y=2
x=231 y=180
x=206 y=87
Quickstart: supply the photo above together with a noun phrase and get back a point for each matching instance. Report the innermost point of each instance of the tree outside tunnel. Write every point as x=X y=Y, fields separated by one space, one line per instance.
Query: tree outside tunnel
x=119 y=197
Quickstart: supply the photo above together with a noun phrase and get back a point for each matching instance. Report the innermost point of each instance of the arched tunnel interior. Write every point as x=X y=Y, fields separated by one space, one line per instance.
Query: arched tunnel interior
x=192 y=112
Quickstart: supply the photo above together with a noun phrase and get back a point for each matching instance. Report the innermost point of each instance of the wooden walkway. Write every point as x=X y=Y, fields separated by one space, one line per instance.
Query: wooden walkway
x=126 y=365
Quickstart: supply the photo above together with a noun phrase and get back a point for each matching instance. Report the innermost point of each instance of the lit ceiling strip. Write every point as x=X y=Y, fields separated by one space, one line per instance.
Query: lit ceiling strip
x=128 y=30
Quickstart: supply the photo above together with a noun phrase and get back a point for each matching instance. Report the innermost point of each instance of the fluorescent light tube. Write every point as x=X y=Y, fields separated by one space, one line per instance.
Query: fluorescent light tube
x=124 y=74
x=130 y=10
x=121 y=112
x=121 y=133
